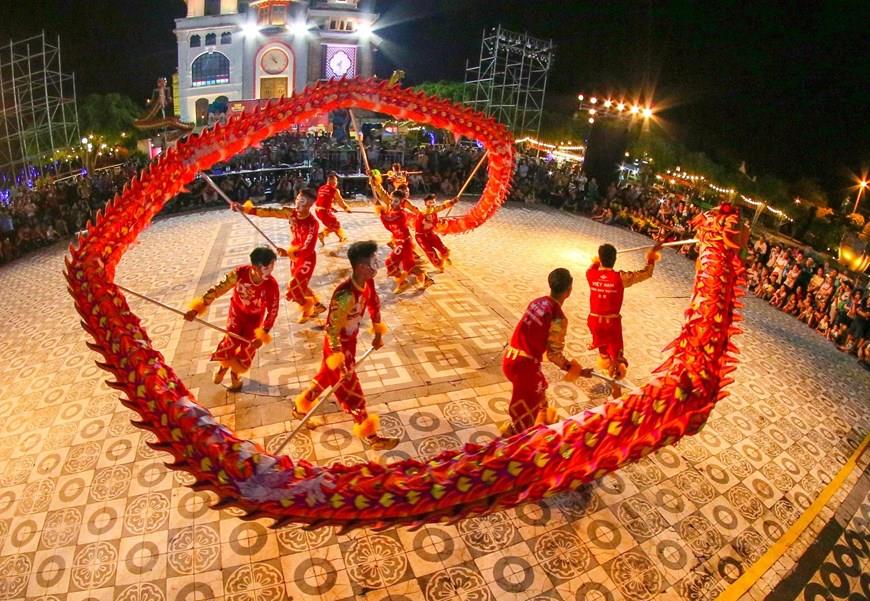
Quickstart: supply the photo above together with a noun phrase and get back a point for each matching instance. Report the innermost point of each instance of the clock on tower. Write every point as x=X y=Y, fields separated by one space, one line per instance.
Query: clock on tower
x=274 y=61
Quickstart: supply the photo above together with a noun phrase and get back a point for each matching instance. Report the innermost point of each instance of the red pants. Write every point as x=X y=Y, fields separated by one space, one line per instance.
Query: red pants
x=302 y=270
x=349 y=393
x=432 y=245
x=328 y=219
x=232 y=352
x=529 y=396
x=606 y=335
x=401 y=260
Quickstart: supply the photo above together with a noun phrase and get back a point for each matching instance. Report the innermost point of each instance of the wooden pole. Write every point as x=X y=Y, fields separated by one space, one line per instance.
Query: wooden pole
x=675 y=243
x=359 y=141
x=210 y=182
x=182 y=313
x=468 y=180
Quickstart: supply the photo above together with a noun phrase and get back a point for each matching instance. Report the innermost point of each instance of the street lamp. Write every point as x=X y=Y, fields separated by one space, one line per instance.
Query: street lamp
x=862 y=185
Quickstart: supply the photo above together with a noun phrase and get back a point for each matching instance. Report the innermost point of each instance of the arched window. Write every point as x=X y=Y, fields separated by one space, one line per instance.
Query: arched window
x=226 y=38
x=195 y=41
x=210 y=39
x=210 y=69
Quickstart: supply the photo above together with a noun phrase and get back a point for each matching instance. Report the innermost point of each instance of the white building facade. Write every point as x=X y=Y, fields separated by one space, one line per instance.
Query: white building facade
x=233 y=50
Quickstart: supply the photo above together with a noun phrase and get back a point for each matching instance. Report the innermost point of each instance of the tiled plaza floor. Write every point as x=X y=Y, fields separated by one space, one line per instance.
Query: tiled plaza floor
x=89 y=512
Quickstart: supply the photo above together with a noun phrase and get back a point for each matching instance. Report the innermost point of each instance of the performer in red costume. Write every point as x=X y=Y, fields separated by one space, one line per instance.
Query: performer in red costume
x=253 y=310
x=541 y=330
x=302 y=251
x=394 y=210
x=424 y=228
x=326 y=195
x=350 y=300
x=398 y=177
x=606 y=288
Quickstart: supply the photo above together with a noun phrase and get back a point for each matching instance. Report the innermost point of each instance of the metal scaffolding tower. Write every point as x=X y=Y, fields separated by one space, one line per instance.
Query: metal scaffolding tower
x=510 y=80
x=38 y=111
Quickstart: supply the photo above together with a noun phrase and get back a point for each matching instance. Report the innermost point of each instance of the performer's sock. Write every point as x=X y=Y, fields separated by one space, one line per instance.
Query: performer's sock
x=306 y=309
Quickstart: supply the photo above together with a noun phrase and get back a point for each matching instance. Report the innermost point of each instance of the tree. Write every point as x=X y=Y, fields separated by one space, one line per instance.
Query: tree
x=108 y=115
x=451 y=90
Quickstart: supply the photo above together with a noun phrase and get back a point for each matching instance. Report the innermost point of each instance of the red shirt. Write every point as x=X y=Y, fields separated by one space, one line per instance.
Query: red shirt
x=249 y=297
x=325 y=196
x=532 y=334
x=426 y=221
x=606 y=290
x=396 y=223
x=304 y=234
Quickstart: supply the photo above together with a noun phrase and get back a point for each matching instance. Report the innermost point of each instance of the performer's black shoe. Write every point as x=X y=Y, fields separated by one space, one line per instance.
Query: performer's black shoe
x=236 y=382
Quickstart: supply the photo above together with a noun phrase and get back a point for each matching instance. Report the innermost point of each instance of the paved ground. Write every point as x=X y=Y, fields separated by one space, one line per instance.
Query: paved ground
x=88 y=511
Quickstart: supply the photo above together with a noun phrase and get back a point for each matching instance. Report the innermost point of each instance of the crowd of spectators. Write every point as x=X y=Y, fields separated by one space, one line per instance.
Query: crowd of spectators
x=649 y=210
x=819 y=295
x=33 y=218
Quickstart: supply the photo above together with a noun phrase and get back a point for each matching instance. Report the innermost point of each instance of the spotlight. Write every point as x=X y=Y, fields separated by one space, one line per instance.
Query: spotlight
x=364 y=29
x=250 y=29
x=607 y=104
x=299 y=28
x=647 y=113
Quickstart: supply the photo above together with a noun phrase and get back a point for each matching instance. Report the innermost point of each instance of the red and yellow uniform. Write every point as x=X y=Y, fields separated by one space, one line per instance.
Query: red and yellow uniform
x=540 y=331
x=401 y=261
x=253 y=310
x=349 y=303
x=326 y=195
x=607 y=287
x=397 y=178
x=424 y=227
x=302 y=251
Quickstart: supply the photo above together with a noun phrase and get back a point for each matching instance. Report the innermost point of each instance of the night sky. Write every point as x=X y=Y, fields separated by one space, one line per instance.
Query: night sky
x=783 y=86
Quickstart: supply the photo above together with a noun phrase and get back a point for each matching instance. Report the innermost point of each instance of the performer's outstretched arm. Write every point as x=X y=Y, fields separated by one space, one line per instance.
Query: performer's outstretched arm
x=381 y=197
x=249 y=209
x=339 y=199
x=199 y=305
x=630 y=278
x=445 y=205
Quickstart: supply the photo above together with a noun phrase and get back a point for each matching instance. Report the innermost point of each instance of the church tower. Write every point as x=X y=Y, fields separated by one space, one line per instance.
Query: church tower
x=246 y=50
